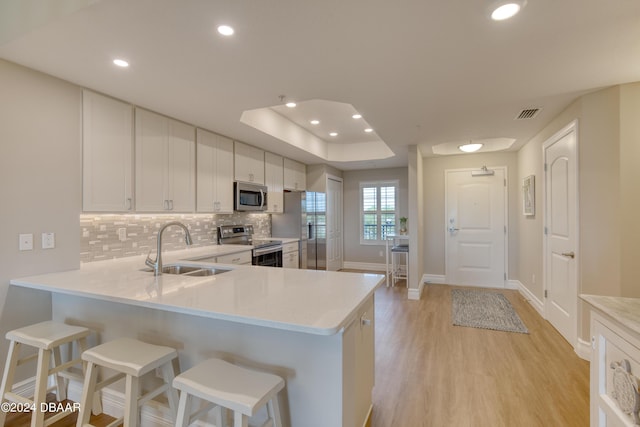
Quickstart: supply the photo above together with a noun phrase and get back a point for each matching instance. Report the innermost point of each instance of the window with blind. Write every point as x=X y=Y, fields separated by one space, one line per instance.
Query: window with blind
x=378 y=211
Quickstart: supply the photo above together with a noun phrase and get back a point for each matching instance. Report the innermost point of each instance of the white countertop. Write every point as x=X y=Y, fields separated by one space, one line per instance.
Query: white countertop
x=624 y=310
x=308 y=301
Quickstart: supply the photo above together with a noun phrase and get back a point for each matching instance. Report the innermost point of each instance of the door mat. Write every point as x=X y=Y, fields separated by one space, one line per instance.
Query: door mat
x=486 y=310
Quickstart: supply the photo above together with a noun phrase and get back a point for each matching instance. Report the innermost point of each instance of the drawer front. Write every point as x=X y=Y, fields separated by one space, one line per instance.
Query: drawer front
x=290 y=260
x=237 y=258
x=615 y=367
x=290 y=247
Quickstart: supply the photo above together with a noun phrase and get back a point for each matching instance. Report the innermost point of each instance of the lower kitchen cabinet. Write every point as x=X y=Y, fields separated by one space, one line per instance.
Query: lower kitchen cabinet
x=290 y=255
x=615 y=365
x=242 y=258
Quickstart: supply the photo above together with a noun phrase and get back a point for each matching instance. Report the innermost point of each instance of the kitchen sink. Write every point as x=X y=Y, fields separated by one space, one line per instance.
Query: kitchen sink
x=190 y=270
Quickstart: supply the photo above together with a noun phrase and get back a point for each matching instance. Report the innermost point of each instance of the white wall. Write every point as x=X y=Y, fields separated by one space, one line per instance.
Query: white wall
x=40 y=186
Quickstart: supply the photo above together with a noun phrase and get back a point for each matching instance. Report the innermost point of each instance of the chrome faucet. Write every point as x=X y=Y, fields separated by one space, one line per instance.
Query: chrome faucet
x=157 y=263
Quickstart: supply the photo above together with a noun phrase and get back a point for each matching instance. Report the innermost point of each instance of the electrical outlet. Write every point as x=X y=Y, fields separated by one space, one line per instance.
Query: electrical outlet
x=48 y=240
x=25 y=242
x=122 y=234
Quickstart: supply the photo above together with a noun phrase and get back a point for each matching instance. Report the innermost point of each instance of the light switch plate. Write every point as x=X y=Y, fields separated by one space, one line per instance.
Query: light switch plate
x=25 y=242
x=48 y=240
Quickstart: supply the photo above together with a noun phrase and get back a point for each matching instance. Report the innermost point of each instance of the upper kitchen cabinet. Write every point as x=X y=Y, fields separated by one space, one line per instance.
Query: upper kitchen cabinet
x=107 y=154
x=249 y=163
x=165 y=164
x=215 y=173
x=274 y=179
x=295 y=175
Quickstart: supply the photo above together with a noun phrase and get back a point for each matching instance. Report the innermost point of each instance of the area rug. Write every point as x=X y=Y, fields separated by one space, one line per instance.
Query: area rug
x=486 y=310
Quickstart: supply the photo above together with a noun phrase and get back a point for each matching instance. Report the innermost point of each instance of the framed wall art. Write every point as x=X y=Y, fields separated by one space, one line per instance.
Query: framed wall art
x=529 y=195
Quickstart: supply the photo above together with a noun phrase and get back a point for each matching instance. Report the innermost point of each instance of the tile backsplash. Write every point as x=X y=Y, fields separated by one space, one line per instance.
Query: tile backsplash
x=101 y=234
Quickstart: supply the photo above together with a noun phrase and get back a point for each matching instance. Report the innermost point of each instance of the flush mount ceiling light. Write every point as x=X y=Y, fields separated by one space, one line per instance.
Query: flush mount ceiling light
x=290 y=104
x=357 y=116
x=506 y=9
x=121 y=63
x=333 y=134
x=315 y=122
x=225 y=30
x=368 y=130
x=470 y=148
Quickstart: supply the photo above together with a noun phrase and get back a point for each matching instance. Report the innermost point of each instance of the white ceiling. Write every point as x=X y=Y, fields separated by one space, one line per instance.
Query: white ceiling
x=421 y=72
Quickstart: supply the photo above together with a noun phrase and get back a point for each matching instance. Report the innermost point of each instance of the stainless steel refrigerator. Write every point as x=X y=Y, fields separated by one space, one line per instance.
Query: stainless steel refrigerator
x=304 y=218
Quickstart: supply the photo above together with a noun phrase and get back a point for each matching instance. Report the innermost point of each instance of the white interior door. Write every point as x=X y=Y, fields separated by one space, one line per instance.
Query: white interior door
x=475 y=228
x=334 y=224
x=561 y=226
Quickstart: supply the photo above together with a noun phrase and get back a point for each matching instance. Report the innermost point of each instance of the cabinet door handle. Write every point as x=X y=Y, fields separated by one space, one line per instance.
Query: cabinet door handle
x=166 y=205
x=129 y=204
x=571 y=254
x=171 y=201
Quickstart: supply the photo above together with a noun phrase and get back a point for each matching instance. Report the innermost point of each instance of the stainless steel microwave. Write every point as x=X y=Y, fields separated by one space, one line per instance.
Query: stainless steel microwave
x=249 y=197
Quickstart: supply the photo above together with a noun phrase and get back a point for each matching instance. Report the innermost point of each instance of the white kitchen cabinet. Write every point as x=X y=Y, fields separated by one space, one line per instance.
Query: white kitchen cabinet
x=165 y=164
x=248 y=163
x=241 y=258
x=107 y=154
x=273 y=176
x=358 y=358
x=214 y=154
x=615 y=361
x=290 y=255
x=295 y=175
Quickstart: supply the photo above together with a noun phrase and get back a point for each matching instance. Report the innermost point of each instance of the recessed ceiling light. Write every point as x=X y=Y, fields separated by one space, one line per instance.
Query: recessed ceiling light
x=121 y=63
x=368 y=130
x=333 y=133
x=470 y=148
x=226 y=30
x=315 y=122
x=290 y=104
x=357 y=116
x=506 y=9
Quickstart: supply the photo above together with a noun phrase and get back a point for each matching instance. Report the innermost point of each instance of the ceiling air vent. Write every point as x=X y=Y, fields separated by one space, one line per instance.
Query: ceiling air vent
x=528 y=113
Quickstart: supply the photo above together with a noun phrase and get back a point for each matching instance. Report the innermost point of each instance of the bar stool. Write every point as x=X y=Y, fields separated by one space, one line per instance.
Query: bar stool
x=224 y=385
x=400 y=270
x=48 y=337
x=131 y=359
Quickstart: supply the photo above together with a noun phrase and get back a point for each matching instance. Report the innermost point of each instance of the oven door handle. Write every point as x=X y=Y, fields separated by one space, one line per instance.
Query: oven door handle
x=269 y=250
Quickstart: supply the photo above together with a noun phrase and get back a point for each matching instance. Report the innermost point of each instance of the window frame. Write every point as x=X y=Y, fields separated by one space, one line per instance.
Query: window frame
x=378 y=184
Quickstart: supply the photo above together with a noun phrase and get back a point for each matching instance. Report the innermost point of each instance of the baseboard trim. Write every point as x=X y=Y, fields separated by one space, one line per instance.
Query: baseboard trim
x=152 y=413
x=433 y=278
x=530 y=297
x=364 y=266
x=583 y=349
x=27 y=388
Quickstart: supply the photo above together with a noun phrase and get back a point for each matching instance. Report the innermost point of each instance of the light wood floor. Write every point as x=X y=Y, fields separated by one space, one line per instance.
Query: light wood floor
x=431 y=373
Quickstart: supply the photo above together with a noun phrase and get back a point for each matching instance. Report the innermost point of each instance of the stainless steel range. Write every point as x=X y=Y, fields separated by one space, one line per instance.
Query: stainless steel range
x=266 y=252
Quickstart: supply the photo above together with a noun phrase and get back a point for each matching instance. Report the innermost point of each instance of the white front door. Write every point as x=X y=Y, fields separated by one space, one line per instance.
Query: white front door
x=475 y=228
x=561 y=231
x=334 y=224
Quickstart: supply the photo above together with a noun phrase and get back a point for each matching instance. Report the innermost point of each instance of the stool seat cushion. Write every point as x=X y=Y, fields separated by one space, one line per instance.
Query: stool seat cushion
x=230 y=386
x=130 y=356
x=400 y=248
x=47 y=335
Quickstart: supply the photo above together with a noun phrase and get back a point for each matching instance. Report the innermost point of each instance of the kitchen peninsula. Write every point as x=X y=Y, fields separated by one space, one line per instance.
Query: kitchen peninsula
x=313 y=328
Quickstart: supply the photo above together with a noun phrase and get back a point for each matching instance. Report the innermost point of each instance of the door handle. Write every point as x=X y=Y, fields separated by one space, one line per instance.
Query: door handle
x=452 y=229
x=569 y=254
